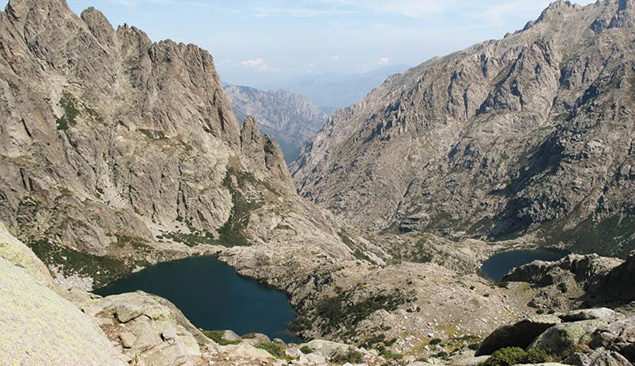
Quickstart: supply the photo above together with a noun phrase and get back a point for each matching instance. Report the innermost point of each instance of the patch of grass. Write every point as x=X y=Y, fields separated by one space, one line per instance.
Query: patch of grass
x=231 y=233
x=153 y=134
x=510 y=356
x=72 y=109
x=389 y=355
x=283 y=227
x=102 y=270
x=345 y=237
x=275 y=349
x=192 y=239
x=306 y=350
x=69 y=118
x=217 y=336
x=352 y=356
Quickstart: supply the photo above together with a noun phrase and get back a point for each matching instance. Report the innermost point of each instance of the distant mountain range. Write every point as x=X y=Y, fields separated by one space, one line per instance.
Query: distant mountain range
x=333 y=91
x=289 y=118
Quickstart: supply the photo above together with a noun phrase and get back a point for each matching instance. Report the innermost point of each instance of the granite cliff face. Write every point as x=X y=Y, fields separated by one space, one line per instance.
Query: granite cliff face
x=531 y=133
x=116 y=151
x=289 y=118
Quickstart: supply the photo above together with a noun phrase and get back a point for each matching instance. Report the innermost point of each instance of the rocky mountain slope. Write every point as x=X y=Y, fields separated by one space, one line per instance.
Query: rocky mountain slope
x=531 y=133
x=117 y=152
x=288 y=118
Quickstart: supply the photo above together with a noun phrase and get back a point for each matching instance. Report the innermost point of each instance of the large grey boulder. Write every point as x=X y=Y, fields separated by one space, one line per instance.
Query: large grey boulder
x=39 y=327
x=564 y=339
x=599 y=357
x=520 y=334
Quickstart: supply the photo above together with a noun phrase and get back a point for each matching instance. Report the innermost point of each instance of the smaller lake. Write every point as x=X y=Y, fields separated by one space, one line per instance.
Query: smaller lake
x=214 y=297
x=500 y=264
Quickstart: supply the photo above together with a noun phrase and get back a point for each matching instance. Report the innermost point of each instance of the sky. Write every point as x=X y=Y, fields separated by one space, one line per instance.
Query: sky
x=258 y=41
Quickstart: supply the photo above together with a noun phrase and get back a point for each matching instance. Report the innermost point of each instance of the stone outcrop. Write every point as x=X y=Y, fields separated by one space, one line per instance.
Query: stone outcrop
x=528 y=134
x=600 y=280
x=520 y=334
x=583 y=338
x=39 y=327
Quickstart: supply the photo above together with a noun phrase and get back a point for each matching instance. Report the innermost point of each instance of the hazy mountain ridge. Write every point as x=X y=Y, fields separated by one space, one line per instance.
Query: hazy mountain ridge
x=333 y=91
x=289 y=118
x=532 y=132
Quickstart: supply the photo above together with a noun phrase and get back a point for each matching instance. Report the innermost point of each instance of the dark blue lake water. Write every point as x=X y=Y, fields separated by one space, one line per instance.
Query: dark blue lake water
x=213 y=297
x=499 y=264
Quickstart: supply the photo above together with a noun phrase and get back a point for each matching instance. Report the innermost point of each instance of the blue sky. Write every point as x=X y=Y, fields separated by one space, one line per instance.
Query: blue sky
x=255 y=41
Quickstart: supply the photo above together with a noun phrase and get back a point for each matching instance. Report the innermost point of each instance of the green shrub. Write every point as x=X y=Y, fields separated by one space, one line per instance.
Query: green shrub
x=275 y=349
x=306 y=350
x=537 y=355
x=217 y=336
x=352 y=356
x=514 y=355
x=299 y=324
x=435 y=341
x=506 y=357
x=389 y=355
x=563 y=287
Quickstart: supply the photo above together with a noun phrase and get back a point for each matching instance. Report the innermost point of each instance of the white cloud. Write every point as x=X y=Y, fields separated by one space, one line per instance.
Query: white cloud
x=384 y=61
x=258 y=64
x=335 y=58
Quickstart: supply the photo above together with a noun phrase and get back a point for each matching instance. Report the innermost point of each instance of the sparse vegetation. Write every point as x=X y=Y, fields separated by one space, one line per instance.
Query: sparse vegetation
x=514 y=355
x=192 y=239
x=339 y=310
x=231 y=233
x=153 y=134
x=102 y=270
x=300 y=324
x=68 y=119
x=351 y=356
x=275 y=349
x=217 y=336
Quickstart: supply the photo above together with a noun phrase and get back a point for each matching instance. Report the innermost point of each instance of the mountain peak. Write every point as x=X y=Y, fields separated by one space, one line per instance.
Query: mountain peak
x=432 y=136
x=18 y=9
